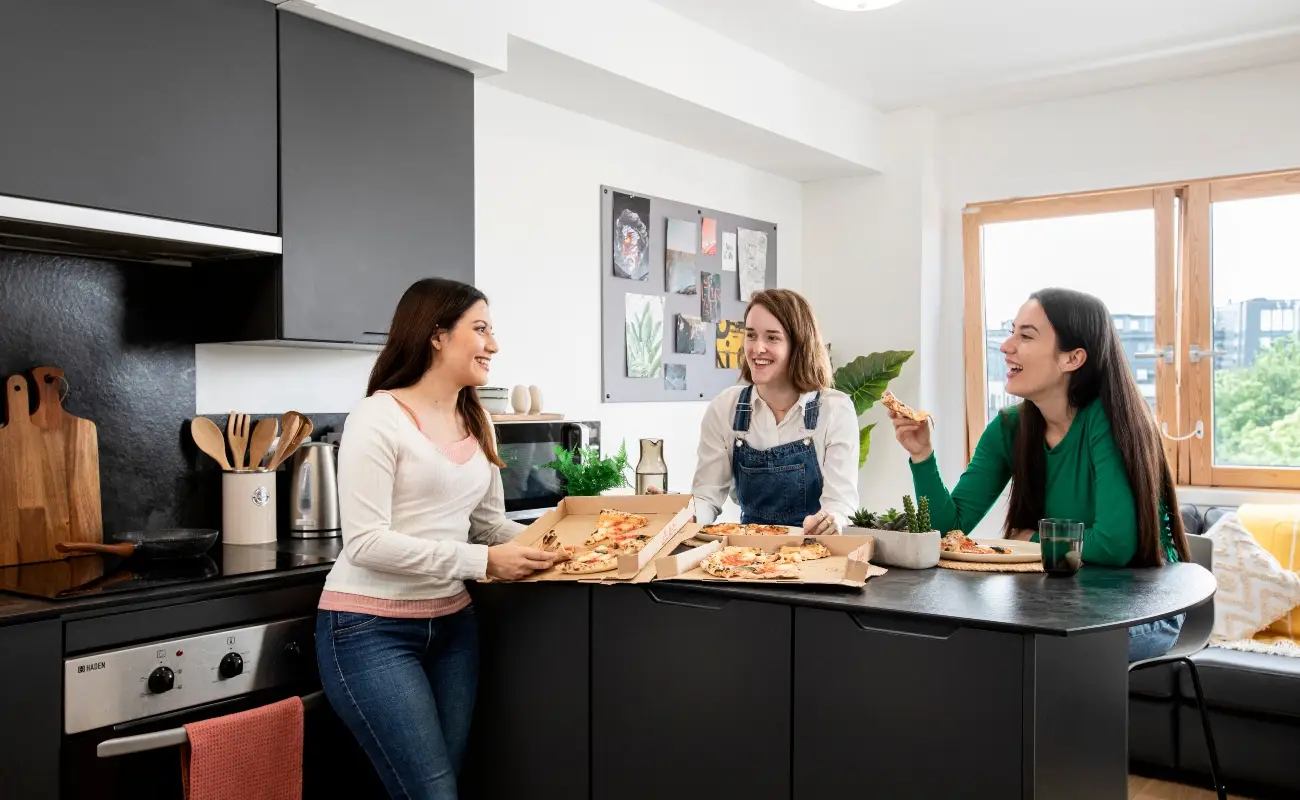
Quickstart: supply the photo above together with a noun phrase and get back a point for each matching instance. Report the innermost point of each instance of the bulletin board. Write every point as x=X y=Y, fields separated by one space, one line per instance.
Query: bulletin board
x=653 y=268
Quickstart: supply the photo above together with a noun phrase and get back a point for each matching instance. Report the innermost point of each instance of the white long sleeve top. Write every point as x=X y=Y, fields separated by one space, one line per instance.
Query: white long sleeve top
x=416 y=525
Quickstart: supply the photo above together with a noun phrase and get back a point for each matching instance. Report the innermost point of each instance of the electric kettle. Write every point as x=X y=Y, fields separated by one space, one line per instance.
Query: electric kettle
x=314 y=493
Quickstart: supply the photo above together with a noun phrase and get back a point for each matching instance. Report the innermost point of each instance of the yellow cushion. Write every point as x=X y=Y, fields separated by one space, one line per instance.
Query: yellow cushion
x=1277 y=529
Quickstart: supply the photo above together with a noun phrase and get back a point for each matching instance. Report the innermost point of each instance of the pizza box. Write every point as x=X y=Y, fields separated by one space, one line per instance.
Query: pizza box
x=848 y=565
x=574 y=519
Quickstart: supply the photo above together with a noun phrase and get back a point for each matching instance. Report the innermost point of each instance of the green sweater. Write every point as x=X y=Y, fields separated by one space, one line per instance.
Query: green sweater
x=1086 y=481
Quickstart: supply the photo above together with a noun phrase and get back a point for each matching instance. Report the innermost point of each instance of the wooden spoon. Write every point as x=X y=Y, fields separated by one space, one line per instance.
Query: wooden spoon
x=263 y=434
x=290 y=422
x=209 y=439
x=289 y=444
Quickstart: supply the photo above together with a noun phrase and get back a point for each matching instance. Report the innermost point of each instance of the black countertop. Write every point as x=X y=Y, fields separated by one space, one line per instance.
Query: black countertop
x=15 y=609
x=1095 y=599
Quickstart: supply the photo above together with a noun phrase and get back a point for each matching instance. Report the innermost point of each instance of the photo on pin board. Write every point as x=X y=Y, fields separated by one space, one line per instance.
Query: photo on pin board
x=728 y=252
x=631 y=237
x=691 y=337
x=643 y=328
x=675 y=377
x=752 y=255
x=709 y=236
x=710 y=296
x=730 y=336
x=680 y=275
x=681 y=236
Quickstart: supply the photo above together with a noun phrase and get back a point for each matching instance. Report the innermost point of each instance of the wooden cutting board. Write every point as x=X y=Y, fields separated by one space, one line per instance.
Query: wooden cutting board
x=49 y=474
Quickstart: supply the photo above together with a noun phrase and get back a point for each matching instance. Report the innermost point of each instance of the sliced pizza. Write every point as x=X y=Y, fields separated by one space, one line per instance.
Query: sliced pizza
x=599 y=559
x=809 y=550
x=631 y=545
x=611 y=524
x=889 y=401
x=738 y=529
x=747 y=563
x=958 y=542
x=551 y=543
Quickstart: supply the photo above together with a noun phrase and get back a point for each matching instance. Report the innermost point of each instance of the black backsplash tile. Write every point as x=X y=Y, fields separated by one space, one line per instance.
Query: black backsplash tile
x=122 y=332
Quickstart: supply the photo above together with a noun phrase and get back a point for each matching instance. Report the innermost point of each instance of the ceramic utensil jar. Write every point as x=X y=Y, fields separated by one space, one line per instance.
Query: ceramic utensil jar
x=248 y=507
x=651 y=471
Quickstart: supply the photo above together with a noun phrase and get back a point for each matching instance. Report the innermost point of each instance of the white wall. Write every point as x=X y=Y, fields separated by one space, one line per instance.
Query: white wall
x=538 y=173
x=1228 y=124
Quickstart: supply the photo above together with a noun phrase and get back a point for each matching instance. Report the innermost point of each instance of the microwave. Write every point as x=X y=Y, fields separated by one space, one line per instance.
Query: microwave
x=530 y=488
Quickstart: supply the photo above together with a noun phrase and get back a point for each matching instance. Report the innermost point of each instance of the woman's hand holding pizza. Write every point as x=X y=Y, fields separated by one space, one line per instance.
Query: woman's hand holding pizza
x=913 y=436
x=511 y=561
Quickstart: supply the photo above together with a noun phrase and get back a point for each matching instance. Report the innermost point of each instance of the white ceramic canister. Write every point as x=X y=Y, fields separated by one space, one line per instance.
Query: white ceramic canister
x=248 y=507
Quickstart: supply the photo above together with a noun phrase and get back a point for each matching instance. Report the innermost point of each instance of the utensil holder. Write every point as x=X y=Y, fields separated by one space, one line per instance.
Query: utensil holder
x=248 y=507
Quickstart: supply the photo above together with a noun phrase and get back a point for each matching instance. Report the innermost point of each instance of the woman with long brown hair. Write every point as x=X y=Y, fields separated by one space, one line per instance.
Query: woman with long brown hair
x=1083 y=445
x=422 y=512
x=783 y=444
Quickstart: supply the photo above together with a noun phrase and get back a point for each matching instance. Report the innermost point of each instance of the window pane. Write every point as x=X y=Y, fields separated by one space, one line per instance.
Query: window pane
x=1255 y=247
x=1111 y=256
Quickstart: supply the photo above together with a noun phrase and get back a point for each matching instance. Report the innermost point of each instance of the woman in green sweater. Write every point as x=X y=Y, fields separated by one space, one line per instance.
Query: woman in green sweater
x=1083 y=445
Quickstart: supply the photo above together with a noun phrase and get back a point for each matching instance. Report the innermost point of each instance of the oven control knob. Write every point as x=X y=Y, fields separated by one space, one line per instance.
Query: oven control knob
x=232 y=664
x=161 y=680
x=293 y=650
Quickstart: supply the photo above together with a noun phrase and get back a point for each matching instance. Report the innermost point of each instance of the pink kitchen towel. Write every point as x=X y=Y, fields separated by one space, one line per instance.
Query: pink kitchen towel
x=252 y=755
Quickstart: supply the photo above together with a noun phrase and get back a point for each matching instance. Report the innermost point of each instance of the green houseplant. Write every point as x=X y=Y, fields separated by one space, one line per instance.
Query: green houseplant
x=864 y=379
x=586 y=473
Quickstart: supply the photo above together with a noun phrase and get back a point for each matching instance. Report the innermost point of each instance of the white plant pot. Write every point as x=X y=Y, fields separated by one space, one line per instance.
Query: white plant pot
x=903 y=549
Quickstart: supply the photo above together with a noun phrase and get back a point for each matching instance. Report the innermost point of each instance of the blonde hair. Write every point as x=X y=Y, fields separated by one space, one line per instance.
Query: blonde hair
x=810 y=364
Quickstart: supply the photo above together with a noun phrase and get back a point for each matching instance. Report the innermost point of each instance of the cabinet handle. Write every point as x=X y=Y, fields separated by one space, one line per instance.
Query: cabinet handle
x=920 y=629
x=720 y=602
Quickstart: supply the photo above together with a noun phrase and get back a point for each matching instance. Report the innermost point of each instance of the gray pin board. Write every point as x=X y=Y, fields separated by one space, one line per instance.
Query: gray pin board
x=704 y=380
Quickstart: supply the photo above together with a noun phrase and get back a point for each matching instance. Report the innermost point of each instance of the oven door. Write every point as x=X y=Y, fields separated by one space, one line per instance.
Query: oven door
x=141 y=760
x=530 y=488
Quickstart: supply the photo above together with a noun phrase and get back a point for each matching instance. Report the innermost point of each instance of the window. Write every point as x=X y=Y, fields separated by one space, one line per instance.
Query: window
x=1203 y=280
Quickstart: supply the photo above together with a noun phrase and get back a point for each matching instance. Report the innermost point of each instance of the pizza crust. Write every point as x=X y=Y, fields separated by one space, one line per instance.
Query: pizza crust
x=889 y=401
x=809 y=550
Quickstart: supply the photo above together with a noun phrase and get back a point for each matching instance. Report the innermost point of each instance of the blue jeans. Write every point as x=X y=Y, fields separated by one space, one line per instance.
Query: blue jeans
x=405 y=689
x=1153 y=639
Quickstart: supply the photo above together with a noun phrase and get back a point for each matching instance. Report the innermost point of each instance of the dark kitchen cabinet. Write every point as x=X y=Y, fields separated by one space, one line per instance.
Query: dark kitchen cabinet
x=377 y=180
x=852 y=669
x=153 y=107
x=681 y=682
x=31 y=712
x=531 y=726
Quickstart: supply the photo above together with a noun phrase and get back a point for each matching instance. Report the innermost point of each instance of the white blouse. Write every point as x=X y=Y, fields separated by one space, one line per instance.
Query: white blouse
x=835 y=439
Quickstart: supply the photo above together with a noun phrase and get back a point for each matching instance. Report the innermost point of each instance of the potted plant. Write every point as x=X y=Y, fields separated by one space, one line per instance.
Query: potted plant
x=586 y=474
x=902 y=540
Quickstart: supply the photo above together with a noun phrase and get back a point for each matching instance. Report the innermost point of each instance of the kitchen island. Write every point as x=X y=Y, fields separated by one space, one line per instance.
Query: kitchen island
x=931 y=683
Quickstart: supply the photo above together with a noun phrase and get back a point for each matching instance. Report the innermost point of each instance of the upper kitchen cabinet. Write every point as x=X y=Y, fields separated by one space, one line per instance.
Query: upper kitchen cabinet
x=154 y=107
x=376 y=179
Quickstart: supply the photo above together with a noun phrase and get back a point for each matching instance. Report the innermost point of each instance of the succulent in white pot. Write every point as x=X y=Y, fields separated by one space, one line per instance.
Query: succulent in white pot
x=902 y=540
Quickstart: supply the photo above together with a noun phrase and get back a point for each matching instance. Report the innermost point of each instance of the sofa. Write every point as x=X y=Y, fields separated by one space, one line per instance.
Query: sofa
x=1253 y=701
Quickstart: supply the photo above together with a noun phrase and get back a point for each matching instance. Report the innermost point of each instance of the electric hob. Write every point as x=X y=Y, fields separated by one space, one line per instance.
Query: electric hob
x=86 y=576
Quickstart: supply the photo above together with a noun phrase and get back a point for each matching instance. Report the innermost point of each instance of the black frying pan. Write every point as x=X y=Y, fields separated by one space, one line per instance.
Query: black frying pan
x=159 y=544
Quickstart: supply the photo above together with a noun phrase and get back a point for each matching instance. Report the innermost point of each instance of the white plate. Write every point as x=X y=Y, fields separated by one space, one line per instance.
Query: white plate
x=1021 y=552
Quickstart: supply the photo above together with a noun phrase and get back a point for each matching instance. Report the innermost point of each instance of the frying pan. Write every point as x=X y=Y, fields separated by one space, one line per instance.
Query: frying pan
x=159 y=544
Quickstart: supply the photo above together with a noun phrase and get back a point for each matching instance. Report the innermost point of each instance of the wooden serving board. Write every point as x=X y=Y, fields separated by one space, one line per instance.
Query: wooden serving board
x=49 y=474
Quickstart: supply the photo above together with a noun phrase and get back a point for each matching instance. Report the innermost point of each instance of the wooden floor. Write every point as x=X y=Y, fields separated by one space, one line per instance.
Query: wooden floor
x=1140 y=788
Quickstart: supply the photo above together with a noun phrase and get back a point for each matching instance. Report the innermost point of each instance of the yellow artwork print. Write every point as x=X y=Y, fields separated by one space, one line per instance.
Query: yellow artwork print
x=730 y=336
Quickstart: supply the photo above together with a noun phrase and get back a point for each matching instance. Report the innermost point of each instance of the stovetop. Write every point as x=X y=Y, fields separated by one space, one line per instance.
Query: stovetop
x=86 y=576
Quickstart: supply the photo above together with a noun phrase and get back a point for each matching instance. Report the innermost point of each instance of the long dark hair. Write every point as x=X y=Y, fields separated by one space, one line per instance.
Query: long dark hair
x=1083 y=322
x=427 y=308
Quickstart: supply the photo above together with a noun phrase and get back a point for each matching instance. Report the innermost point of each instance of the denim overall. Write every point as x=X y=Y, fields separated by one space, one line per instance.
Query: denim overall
x=780 y=485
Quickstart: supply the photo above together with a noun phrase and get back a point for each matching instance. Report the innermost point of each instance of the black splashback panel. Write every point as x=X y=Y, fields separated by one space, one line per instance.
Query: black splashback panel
x=121 y=333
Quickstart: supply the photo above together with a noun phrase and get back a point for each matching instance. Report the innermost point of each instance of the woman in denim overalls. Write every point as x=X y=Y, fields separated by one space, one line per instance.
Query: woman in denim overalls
x=783 y=444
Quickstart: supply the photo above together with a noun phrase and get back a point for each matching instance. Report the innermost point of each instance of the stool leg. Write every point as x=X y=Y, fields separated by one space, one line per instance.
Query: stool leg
x=1205 y=724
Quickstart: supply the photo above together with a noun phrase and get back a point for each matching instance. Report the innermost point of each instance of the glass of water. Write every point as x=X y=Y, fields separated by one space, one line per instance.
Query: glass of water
x=1061 y=541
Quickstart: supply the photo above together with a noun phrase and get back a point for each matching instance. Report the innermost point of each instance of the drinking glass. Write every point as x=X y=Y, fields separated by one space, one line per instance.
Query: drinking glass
x=1061 y=541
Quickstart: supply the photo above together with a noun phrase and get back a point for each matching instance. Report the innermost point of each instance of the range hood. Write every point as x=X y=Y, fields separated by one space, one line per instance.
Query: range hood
x=73 y=230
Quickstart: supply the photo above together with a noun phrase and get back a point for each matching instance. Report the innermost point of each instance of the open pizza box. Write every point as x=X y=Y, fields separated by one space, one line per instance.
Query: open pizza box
x=574 y=519
x=849 y=563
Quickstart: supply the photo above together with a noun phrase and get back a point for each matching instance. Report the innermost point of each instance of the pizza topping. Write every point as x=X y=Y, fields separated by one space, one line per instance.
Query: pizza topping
x=613 y=524
x=810 y=550
x=599 y=559
x=747 y=563
x=958 y=542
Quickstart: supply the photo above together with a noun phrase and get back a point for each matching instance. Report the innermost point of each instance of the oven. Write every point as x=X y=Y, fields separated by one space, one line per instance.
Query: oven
x=531 y=489
x=124 y=709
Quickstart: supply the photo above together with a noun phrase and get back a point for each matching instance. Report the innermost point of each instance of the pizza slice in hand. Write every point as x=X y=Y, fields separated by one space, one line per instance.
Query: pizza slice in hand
x=889 y=401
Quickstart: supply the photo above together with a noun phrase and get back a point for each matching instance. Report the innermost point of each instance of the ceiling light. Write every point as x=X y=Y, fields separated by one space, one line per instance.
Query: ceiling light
x=858 y=5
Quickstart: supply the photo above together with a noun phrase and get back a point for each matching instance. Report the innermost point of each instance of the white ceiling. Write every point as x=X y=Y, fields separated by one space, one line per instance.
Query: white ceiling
x=964 y=54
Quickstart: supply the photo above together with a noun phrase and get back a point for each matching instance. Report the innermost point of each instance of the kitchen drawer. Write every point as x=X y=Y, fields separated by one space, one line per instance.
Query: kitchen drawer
x=664 y=661
x=868 y=686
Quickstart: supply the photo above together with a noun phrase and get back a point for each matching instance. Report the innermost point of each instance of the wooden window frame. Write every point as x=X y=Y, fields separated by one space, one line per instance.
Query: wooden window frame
x=1183 y=310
